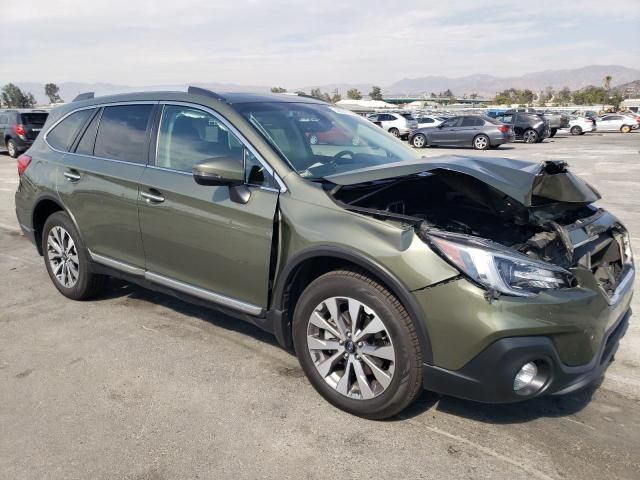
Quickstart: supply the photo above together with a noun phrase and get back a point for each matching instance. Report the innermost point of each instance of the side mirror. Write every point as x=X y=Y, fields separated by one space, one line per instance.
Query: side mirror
x=219 y=171
x=224 y=171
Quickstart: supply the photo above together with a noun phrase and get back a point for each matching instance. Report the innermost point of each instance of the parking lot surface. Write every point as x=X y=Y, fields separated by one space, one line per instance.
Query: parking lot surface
x=138 y=385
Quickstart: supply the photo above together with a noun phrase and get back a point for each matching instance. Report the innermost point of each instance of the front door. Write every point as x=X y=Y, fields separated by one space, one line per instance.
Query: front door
x=196 y=238
x=445 y=134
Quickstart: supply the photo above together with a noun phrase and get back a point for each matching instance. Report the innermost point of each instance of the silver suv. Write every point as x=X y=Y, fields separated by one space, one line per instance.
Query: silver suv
x=397 y=124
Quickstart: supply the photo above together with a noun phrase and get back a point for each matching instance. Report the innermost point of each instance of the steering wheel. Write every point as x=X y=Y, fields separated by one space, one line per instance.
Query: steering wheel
x=341 y=154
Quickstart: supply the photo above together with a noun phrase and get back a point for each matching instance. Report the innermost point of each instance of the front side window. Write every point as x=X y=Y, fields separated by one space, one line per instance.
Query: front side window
x=189 y=136
x=318 y=140
x=452 y=122
x=122 y=134
x=62 y=135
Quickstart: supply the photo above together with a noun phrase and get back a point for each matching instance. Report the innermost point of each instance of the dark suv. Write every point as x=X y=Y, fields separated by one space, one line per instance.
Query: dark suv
x=19 y=128
x=529 y=127
x=491 y=279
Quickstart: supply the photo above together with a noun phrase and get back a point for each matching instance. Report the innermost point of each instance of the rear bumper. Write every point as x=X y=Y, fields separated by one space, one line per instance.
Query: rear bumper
x=22 y=144
x=488 y=378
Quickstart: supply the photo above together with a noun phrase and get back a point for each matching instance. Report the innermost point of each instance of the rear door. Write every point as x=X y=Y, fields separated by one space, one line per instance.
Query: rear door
x=98 y=179
x=468 y=129
x=197 y=239
x=4 y=120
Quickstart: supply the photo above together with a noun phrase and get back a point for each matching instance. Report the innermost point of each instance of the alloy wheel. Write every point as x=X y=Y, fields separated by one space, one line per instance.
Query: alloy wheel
x=351 y=348
x=481 y=142
x=530 y=136
x=11 y=149
x=313 y=140
x=419 y=141
x=63 y=257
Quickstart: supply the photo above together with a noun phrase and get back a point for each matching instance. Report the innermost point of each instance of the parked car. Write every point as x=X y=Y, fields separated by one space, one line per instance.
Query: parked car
x=529 y=127
x=490 y=279
x=479 y=132
x=556 y=120
x=334 y=136
x=429 y=121
x=582 y=125
x=398 y=125
x=19 y=128
x=616 y=123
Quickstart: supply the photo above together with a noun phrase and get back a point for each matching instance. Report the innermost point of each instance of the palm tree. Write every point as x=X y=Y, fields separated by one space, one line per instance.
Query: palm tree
x=606 y=82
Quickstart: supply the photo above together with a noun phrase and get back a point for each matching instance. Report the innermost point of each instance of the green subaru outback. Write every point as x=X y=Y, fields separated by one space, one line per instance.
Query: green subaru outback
x=488 y=279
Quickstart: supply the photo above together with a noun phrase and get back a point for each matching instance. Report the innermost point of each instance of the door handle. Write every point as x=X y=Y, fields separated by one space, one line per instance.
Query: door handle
x=72 y=175
x=155 y=197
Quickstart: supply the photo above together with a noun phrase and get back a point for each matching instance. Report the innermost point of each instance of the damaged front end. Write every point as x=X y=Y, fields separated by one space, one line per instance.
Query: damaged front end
x=512 y=227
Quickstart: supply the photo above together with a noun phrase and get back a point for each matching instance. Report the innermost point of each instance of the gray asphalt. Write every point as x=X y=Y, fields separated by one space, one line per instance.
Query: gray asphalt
x=136 y=385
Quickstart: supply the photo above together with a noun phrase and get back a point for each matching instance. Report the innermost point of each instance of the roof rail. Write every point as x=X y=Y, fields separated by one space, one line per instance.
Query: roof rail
x=206 y=92
x=84 y=96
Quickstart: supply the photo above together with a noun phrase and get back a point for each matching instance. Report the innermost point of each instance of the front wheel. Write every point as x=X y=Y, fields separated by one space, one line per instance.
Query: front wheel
x=625 y=129
x=357 y=345
x=530 y=136
x=66 y=259
x=481 y=142
x=395 y=132
x=419 y=141
x=576 y=130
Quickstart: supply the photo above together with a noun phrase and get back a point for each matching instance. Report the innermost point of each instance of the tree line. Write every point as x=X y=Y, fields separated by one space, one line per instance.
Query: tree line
x=11 y=96
x=335 y=96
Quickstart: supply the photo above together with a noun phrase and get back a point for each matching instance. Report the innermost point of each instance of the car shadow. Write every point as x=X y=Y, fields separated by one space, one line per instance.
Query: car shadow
x=512 y=413
x=502 y=147
x=119 y=289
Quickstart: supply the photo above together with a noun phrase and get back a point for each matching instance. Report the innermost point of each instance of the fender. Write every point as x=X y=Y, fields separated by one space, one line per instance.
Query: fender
x=281 y=324
x=55 y=199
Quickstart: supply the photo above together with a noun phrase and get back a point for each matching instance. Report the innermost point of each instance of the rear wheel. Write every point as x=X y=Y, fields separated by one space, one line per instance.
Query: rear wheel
x=419 y=141
x=66 y=259
x=576 y=130
x=530 y=136
x=357 y=345
x=395 y=132
x=625 y=129
x=12 y=149
x=481 y=142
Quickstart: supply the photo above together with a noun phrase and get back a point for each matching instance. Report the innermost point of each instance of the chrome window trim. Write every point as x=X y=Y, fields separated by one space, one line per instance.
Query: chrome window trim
x=232 y=129
x=184 y=287
x=625 y=284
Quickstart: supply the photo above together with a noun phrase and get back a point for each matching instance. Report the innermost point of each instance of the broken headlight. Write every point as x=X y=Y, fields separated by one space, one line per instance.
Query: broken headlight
x=498 y=268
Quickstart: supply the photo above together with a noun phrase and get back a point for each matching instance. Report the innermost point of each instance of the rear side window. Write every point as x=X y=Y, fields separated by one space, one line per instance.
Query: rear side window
x=472 y=122
x=122 y=134
x=33 y=118
x=88 y=140
x=425 y=120
x=62 y=135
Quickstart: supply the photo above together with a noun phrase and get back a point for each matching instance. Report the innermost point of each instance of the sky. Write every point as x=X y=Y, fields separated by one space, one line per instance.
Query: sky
x=300 y=43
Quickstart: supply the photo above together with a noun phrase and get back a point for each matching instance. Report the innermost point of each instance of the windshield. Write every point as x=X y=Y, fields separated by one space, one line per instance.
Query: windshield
x=320 y=140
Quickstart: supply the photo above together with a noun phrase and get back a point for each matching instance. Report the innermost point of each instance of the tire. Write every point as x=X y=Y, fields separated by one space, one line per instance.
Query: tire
x=530 y=136
x=86 y=284
x=481 y=142
x=395 y=132
x=391 y=334
x=419 y=141
x=576 y=130
x=12 y=149
x=625 y=129
x=313 y=139
x=553 y=132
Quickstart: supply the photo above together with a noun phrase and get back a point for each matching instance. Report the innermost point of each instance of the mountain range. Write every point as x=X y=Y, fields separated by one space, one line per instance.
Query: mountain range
x=484 y=85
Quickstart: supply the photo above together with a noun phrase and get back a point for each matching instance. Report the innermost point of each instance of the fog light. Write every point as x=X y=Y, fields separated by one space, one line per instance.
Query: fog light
x=525 y=376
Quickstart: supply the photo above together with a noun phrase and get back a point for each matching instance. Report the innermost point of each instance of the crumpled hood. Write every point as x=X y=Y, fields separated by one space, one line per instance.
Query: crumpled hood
x=518 y=179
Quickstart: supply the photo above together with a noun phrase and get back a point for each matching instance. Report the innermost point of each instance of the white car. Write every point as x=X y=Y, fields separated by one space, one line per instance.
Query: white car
x=581 y=125
x=428 y=121
x=615 y=122
x=397 y=124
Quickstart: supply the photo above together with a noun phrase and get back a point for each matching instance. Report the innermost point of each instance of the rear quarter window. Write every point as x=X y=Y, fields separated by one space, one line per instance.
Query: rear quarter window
x=62 y=135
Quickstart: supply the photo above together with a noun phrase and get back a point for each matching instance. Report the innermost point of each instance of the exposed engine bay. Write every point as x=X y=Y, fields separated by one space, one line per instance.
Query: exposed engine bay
x=567 y=234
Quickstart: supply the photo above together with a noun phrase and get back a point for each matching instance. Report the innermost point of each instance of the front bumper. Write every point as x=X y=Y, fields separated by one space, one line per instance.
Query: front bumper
x=488 y=378
x=478 y=345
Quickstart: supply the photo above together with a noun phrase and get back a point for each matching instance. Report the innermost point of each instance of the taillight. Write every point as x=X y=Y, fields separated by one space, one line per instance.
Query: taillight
x=23 y=163
x=503 y=128
x=20 y=130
